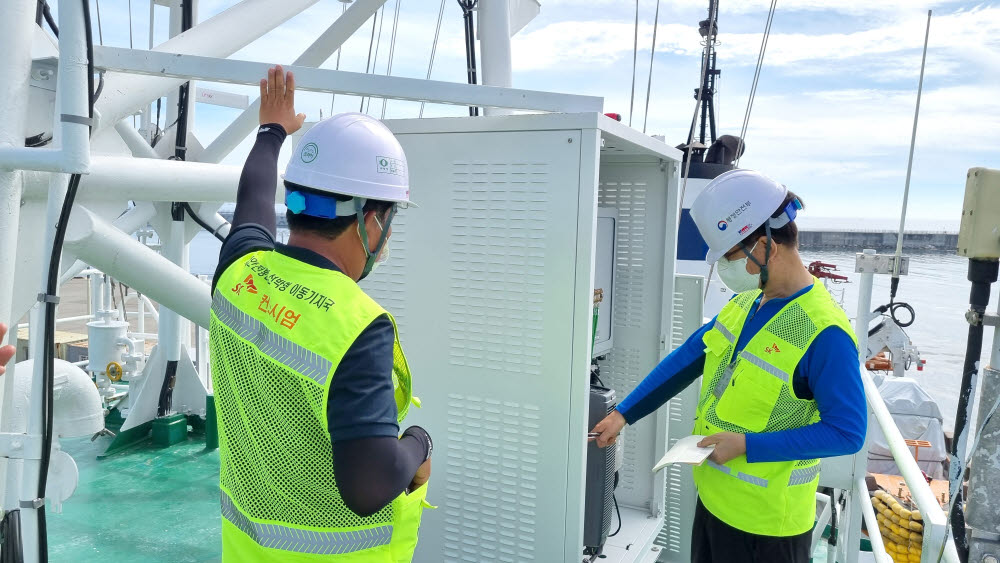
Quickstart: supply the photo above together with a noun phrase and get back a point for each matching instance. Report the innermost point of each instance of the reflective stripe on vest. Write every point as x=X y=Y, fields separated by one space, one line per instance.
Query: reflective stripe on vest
x=725 y=332
x=764 y=366
x=728 y=376
x=760 y=482
x=286 y=538
x=283 y=351
x=803 y=476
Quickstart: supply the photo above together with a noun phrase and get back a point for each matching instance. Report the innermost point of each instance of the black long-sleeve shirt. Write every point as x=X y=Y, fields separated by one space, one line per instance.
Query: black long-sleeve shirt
x=371 y=464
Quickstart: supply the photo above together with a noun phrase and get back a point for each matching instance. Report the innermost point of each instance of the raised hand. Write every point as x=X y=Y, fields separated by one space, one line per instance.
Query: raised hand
x=277 y=100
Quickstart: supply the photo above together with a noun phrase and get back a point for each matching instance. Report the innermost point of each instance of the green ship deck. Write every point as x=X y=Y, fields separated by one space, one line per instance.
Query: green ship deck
x=145 y=504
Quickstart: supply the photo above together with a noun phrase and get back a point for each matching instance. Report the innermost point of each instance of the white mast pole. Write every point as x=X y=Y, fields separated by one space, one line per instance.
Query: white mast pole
x=494 y=42
x=16 y=29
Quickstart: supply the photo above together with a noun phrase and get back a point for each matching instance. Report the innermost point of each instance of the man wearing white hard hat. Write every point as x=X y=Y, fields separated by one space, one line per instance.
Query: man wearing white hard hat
x=781 y=383
x=310 y=382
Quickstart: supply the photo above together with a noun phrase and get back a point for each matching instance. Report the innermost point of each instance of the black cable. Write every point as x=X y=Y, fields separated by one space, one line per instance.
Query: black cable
x=618 y=512
x=43 y=12
x=470 y=45
x=982 y=274
x=180 y=137
x=52 y=287
x=39 y=140
x=615 y=499
x=158 y=134
x=893 y=307
x=10 y=536
x=202 y=223
x=100 y=86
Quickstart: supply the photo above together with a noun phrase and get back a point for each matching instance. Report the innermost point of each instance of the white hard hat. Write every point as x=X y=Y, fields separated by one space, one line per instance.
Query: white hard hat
x=733 y=205
x=350 y=154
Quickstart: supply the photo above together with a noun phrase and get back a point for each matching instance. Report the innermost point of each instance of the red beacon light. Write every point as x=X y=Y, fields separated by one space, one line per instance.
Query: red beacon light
x=615 y=116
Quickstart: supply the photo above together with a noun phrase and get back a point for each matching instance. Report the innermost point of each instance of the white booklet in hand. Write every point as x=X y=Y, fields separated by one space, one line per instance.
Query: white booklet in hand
x=686 y=450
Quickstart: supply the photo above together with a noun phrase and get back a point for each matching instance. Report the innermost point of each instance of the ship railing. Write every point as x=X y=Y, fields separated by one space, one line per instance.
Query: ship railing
x=937 y=544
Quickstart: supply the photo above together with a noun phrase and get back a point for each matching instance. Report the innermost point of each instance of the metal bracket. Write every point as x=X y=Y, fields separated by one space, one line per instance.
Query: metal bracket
x=33 y=503
x=43 y=298
x=880 y=264
x=985 y=319
x=80 y=119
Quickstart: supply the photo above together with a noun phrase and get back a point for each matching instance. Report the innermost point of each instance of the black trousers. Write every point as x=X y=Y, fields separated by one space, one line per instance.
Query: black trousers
x=714 y=541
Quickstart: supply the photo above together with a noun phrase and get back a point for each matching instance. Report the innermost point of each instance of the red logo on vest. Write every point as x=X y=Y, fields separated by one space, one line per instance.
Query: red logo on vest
x=772 y=348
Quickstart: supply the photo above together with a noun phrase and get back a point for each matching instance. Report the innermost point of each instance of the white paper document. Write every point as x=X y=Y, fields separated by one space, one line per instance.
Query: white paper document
x=686 y=450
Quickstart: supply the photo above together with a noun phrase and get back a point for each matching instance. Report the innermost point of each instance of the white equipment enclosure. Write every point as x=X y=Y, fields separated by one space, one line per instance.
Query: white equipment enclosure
x=491 y=282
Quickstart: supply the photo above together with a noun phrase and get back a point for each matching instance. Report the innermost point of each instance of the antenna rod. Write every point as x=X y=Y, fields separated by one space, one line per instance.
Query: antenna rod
x=909 y=164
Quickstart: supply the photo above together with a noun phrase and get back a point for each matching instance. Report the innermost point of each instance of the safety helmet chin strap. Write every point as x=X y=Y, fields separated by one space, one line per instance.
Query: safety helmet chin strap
x=767 y=255
x=786 y=216
x=359 y=209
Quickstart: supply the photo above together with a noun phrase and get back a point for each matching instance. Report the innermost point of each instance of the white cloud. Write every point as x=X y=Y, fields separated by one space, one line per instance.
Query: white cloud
x=852 y=7
x=959 y=36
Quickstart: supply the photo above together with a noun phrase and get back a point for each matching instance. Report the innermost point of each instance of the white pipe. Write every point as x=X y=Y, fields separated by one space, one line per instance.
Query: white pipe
x=494 y=42
x=934 y=518
x=152 y=309
x=16 y=33
x=141 y=318
x=223 y=225
x=96 y=292
x=871 y=524
x=115 y=179
x=139 y=147
x=128 y=343
x=864 y=309
x=146 y=335
x=194 y=67
x=71 y=135
x=139 y=267
x=314 y=56
x=63 y=320
x=108 y=298
x=220 y=36
x=129 y=222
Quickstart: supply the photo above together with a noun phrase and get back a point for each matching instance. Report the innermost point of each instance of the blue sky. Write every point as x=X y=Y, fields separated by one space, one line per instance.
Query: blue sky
x=833 y=113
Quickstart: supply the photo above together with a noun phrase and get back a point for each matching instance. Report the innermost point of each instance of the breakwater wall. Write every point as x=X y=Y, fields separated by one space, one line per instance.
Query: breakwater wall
x=878 y=240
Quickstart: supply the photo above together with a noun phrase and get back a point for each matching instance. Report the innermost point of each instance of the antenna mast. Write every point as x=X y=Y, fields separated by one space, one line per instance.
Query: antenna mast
x=709 y=30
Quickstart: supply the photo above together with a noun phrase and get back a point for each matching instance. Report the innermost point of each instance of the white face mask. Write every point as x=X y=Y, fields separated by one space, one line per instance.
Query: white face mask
x=734 y=274
x=383 y=254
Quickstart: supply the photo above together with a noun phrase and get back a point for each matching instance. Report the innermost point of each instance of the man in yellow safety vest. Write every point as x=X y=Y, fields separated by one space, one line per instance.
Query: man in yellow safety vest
x=781 y=383
x=310 y=382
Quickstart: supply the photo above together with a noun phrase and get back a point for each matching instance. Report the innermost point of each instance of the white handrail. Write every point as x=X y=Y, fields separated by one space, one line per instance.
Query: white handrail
x=871 y=524
x=935 y=521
